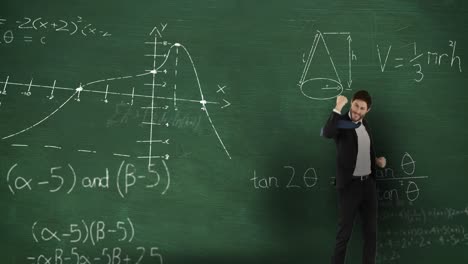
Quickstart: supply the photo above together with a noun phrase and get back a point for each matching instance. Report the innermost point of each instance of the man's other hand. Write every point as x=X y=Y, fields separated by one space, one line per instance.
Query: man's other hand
x=381 y=162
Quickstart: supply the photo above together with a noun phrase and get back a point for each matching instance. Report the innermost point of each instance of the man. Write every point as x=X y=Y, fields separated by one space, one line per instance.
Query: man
x=355 y=174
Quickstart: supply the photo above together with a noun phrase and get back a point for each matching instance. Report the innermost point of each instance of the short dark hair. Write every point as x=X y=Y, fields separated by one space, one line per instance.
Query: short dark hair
x=364 y=96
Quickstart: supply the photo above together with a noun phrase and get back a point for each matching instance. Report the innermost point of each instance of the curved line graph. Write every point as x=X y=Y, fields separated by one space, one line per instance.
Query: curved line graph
x=81 y=89
x=203 y=102
x=77 y=91
x=43 y=119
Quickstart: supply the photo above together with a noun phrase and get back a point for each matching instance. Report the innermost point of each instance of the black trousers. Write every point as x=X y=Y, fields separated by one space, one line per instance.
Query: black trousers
x=358 y=196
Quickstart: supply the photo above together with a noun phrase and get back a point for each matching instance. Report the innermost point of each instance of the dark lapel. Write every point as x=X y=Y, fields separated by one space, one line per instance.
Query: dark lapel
x=366 y=125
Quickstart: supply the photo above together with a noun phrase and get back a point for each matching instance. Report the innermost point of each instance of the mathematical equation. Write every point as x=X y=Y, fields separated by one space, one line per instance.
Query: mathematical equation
x=22 y=29
x=92 y=232
x=408 y=181
x=390 y=257
x=306 y=180
x=420 y=237
x=317 y=85
x=417 y=60
x=65 y=179
x=125 y=113
x=422 y=215
x=423 y=230
x=115 y=255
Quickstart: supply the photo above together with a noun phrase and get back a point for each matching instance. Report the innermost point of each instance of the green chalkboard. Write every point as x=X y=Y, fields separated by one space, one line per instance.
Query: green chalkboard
x=189 y=131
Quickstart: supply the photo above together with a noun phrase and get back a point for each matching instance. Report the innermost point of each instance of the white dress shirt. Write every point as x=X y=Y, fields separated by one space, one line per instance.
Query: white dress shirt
x=363 y=159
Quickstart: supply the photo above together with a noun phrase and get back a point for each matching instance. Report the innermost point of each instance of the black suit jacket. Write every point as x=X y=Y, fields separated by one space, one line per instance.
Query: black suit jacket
x=346 y=148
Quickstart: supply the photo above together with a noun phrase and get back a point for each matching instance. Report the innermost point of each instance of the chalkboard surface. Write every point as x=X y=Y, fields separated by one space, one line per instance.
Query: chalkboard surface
x=189 y=131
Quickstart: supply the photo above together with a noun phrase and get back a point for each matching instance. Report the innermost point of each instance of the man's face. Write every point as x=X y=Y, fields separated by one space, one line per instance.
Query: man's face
x=358 y=110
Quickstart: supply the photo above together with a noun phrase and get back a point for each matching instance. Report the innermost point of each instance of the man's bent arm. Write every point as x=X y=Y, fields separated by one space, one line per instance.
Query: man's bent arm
x=330 y=129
